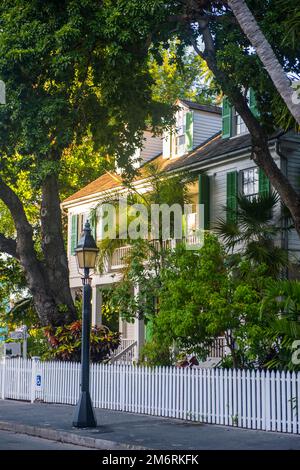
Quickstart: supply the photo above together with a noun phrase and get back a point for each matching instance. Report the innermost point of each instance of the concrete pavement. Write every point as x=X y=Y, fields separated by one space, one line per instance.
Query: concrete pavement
x=120 y=430
x=12 y=441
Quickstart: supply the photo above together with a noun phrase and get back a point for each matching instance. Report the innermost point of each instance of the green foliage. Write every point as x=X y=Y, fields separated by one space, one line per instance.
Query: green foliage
x=255 y=231
x=110 y=317
x=60 y=87
x=183 y=77
x=203 y=297
x=158 y=24
x=37 y=344
x=64 y=342
x=12 y=282
x=284 y=298
x=155 y=353
x=165 y=190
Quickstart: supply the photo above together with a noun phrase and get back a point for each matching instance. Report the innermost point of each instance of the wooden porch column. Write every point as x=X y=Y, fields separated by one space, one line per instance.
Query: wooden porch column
x=96 y=306
x=139 y=331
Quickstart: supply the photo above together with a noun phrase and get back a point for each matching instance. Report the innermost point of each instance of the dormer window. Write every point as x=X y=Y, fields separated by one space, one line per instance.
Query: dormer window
x=238 y=124
x=195 y=123
x=232 y=123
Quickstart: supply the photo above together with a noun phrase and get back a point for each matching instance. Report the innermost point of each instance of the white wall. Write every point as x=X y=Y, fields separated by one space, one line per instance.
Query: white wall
x=205 y=126
x=292 y=151
x=152 y=147
x=218 y=184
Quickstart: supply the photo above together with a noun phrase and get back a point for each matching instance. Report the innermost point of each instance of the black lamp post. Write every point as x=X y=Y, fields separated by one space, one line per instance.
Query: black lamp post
x=86 y=254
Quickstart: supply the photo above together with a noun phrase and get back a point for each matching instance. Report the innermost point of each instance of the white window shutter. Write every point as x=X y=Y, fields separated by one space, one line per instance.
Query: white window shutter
x=167 y=144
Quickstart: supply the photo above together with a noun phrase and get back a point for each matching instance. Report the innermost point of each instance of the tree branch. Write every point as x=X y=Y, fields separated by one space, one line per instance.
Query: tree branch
x=15 y=206
x=8 y=246
x=260 y=148
x=266 y=54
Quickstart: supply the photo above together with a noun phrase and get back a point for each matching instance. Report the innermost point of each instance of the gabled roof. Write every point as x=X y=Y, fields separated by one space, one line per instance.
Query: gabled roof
x=103 y=183
x=215 y=146
x=209 y=108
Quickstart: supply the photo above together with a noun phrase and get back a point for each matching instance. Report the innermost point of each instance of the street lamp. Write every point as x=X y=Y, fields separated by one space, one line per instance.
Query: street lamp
x=86 y=254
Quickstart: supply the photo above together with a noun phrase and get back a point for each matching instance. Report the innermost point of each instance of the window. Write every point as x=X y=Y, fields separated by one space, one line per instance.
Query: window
x=250 y=182
x=180 y=141
x=239 y=125
x=180 y=123
x=179 y=135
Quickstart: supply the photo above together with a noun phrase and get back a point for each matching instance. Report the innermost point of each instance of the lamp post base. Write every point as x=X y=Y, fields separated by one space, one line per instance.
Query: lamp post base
x=84 y=416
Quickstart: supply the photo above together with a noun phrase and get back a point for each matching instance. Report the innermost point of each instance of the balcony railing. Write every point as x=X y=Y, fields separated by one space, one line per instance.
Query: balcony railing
x=120 y=255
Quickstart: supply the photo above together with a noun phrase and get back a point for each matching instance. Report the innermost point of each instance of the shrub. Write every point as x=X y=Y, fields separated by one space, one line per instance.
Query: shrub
x=65 y=342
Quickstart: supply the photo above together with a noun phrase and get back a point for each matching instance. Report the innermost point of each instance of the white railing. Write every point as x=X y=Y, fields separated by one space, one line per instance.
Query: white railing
x=249 y=399
x=218 y=348
x=126 y=352
x=120 y=255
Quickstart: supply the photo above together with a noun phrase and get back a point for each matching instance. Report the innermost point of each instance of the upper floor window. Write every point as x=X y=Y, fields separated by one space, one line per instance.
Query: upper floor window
x=239 y=125
x=180 y=122
x=179 y=144
x=232 y=123
x=250 y=182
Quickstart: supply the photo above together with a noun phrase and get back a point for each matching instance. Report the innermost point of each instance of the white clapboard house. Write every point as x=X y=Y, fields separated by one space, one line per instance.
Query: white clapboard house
x=215 y=146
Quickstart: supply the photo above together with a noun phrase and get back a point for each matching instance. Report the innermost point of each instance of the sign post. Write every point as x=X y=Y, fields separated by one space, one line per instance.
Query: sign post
x=21 y=334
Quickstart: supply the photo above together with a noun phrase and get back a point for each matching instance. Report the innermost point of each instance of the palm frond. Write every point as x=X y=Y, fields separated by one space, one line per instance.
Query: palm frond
x=258 y=210
x=228 y=231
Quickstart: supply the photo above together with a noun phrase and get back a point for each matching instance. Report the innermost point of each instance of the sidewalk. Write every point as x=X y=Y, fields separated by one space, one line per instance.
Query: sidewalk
x=118 y=430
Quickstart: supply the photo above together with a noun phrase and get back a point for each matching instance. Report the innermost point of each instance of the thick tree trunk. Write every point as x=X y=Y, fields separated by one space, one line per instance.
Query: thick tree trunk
x=56 y=263
x=45 y=298
x=266 y=54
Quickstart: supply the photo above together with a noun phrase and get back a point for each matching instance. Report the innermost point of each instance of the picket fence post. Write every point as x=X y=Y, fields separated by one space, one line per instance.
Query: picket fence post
x=3 y=378
x=34 y=362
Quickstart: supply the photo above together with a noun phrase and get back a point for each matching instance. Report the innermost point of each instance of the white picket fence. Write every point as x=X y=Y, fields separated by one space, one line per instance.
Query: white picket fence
x=249 y=399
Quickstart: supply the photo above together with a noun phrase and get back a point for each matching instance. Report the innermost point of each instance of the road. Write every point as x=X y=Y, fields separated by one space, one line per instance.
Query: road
x=12 y=441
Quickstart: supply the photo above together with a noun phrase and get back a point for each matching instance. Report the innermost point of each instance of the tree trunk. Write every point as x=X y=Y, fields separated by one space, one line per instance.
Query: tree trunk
x=55 y=257
x=46 y=299
x=266 y=54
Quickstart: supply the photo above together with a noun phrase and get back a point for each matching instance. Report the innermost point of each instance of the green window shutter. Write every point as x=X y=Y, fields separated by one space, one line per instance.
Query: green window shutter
x=204 y=197
x=167 y=144
x=263 y=183
x=231 y=196
x=226 y=118
x=189 y=118
x=253 y=103
x=74 y=233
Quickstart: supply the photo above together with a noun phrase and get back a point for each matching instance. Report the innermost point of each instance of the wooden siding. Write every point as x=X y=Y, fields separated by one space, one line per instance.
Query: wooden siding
x=153 y=146
x=291 y=150
x=205 y=126
x=218 y=176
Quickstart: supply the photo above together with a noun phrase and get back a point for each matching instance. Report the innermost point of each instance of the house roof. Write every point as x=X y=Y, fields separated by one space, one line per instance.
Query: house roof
x=202 y=107
x=103 y=183
x=215 y=146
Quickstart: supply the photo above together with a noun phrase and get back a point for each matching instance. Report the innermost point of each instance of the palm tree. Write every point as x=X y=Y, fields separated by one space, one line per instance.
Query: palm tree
x=251 y=231
x=266 y=54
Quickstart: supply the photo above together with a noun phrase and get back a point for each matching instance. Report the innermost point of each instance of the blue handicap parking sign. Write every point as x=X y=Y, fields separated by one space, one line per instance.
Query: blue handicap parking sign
x=38 y=380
